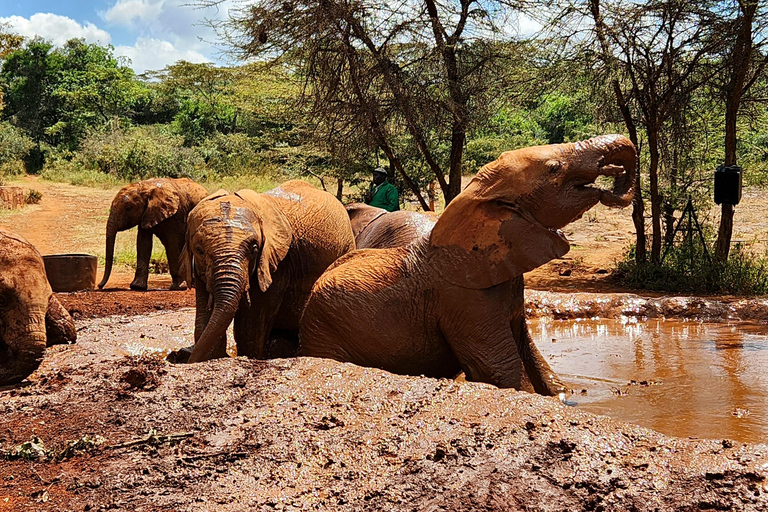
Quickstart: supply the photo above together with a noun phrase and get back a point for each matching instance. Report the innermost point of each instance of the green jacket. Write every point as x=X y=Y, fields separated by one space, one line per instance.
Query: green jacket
x=384 y=196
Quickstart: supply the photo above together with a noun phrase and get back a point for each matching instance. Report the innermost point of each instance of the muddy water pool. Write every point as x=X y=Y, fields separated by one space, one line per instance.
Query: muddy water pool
x=682 y=378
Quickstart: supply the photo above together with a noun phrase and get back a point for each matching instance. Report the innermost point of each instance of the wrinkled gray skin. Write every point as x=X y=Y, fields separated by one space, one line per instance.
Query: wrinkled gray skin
x=30 y=315
x=447 y=303
x=376 y=228
x=253 y=258
x=159 y=206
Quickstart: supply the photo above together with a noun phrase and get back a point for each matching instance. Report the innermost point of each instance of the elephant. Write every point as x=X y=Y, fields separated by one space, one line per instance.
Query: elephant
x=31 y=317
x=159 y=206
x=254 y=258
x=452 y=301
x=377 y=228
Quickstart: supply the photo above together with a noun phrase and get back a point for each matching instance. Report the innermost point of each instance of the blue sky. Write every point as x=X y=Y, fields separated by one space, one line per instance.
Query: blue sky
x=151 y=33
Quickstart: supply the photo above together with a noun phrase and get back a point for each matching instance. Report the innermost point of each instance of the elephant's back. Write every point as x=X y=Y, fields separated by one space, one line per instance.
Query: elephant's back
x=396 y=229
x=374 y=308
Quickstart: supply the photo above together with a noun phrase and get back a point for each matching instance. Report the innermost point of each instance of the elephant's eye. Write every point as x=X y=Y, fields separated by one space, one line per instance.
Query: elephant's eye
x=554 y=166
x=199 y=251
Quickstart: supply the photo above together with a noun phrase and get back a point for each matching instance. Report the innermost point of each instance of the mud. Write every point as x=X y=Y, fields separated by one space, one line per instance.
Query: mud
x=114 y=427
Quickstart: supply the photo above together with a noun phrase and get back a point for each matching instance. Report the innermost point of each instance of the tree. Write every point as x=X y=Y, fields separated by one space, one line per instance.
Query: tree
x=376 y=72
x=744 y=63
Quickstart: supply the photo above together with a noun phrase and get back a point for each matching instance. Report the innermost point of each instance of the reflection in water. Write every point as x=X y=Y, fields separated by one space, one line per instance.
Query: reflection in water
x=683 y=378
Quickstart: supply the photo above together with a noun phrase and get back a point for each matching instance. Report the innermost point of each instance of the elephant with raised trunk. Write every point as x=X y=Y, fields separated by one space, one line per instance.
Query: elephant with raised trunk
x=447 y=302
x=31 y=317
x=375 y=228
x=159 y=207
x=254 y=258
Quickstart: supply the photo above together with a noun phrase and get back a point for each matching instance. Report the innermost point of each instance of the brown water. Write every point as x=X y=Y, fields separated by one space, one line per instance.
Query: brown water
x=683 y=378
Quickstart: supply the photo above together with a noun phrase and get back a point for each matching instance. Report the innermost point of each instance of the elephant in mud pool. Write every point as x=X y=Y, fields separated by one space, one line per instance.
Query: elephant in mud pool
x=254 y=258
x=31 y=317
x=159 y=206
x=452 y=301
x=375 y=228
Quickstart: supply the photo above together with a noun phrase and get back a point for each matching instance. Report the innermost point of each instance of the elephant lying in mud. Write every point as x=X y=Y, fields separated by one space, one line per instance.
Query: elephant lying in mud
x=159 y=207
x=443 y=304
x=30 y=315
x=376 y=228
x=254 y=258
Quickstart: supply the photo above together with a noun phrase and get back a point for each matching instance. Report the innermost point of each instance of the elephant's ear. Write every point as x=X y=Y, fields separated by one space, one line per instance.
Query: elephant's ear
x=361 y=214
x=479 y=244
x=277 y=236
x=163 y=202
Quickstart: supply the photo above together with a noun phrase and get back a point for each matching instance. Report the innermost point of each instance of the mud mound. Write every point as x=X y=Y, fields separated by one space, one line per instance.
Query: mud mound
x=301 y=434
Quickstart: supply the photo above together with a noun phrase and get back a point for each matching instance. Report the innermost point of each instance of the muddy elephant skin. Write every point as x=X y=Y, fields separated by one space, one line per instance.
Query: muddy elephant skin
x=30 y=315
x=376 y=228
x=159 y=206
x=254 y=258
x=447 y=303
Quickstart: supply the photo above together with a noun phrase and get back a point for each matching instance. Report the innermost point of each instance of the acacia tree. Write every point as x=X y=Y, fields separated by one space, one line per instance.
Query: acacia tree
x=744 y=63
x=374 y=70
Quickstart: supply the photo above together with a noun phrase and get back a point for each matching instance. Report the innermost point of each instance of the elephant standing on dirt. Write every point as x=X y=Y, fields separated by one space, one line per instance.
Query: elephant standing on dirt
x=254 y=258
x=375 y=228
x=443 y=304
x=30 y=315
x=159 y=206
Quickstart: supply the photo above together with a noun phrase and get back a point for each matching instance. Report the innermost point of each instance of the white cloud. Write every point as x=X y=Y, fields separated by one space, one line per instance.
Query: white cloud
x=125 y=12
x=155 y=54
x=55 y=28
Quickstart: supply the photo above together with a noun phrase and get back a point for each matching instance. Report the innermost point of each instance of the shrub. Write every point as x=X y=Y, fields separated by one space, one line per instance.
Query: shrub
x=14 y=148
x=687 y=269
x=33 y=197
x=132 y=154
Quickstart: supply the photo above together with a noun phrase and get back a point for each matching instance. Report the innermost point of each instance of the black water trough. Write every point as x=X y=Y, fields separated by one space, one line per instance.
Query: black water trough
x=71 y=272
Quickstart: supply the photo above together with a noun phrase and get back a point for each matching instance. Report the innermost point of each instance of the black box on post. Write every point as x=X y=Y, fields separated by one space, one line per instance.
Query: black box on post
x=728 y=184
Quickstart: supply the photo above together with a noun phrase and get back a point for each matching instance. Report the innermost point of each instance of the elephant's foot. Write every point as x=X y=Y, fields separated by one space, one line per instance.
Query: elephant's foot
x=180 y=356
x=181 y=285
x=139 y=287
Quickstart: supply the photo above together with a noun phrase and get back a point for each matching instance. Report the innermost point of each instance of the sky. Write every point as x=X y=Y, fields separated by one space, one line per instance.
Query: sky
x=151 y=33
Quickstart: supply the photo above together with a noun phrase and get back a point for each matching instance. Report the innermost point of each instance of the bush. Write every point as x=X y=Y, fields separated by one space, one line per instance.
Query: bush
x=33 y=197
x=133 y=154
x=688 y=270
x=14 y=148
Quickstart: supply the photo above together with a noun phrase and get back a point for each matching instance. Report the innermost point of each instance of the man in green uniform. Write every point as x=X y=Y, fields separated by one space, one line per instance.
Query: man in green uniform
x=382 y=194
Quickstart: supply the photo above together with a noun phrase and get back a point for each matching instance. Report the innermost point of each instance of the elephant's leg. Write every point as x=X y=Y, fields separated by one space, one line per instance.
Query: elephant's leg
x=173 y=252
x=480 y=338
x=541 y=377
x=143 y=253
x=59 y=327
x=253 y=322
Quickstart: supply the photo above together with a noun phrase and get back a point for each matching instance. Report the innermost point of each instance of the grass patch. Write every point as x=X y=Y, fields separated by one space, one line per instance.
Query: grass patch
x=74 y=175
x=688 y=270
x=125 y=253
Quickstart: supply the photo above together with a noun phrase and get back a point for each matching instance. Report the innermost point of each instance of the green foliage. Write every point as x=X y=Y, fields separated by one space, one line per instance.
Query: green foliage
x=138 y=153
x=687 y=270
x=14 y=147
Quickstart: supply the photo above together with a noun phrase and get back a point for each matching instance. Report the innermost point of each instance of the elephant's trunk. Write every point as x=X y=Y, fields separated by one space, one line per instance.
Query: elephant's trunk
x=112 y=229
x=617 y=150
x=21 y=353
x=229 y=282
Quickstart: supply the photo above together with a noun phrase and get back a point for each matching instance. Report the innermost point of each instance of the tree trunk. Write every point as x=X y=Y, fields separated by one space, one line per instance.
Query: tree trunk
x=653 y=174
x=340 y=188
